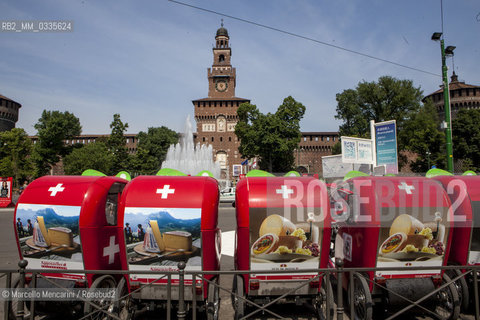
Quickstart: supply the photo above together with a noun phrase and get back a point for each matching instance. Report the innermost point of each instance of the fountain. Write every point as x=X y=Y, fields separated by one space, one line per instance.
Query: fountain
x=191 y=159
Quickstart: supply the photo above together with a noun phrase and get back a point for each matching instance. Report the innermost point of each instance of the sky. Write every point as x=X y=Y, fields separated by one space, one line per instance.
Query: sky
x=147 y=60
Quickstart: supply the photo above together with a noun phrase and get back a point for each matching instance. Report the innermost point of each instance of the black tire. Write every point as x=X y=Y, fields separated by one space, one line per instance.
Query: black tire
x=122 y=306
x=324 y=302
x=462 y=288
x=213 y=301
x=92 y=313
x=238 y=304
x=448 y=304
x=362 y=298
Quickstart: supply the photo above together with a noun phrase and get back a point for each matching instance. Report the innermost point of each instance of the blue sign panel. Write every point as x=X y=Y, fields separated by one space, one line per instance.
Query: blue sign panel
x=386 y=145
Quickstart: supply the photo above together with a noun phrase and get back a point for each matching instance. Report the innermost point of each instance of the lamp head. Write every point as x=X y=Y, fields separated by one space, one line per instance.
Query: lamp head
x=436 y=36
x=449 y=50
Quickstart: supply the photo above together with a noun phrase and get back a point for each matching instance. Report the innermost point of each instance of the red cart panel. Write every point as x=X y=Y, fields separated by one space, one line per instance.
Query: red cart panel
x=282 y=224
x=464 y=193
x=171 y=219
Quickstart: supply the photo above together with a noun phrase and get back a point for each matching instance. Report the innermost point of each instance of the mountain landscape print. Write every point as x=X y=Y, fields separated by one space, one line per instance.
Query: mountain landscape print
x=54 y=216
x=180 y=219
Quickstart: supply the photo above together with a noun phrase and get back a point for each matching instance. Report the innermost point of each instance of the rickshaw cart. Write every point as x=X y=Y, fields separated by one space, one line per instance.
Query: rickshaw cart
x=395 y=222
x=179 y=217
x=464 y=193
x=56 y=220
x=283 y=224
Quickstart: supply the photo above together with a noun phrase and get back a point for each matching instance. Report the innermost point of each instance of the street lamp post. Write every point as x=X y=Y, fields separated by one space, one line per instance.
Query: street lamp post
x=437 y=36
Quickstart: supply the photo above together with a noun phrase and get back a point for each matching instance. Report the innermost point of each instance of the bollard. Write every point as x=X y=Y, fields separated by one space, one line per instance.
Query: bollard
x=339 y=267
x=181 y=313
x=21 y=305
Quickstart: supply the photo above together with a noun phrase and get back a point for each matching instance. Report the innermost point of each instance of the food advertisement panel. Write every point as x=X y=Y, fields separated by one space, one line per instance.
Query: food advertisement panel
x=413 y=239
x=159 y=238
x=49 y=235
x=285 y=238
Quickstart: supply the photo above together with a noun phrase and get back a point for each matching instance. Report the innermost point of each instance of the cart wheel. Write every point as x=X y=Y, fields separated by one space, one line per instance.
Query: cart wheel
x=103 y=282
x=238 y=304
x=213 y=301
x=123 y=304
x=462 y=288
x=14 y=303
x=362 y=298
x=448 y=306
x=324 y=303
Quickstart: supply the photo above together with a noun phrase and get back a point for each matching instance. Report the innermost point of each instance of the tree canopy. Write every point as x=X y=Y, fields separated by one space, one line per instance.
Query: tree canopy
x=94 y=155
x=387 y=99
x=53 y=128
x=466 y=138
x=271 y=137
x=15 y=150
x=152 y=149
x=117 y=145
x=421 y=134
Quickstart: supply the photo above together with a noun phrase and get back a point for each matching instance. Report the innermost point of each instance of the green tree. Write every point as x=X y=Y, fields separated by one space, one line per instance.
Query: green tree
x=53 y=128
x=117 y=145
x=15 y=150
x=466 y=138
x=270 y=137
x=152 y=149
x=421 y=135
x=387 y=99
x=90 y=156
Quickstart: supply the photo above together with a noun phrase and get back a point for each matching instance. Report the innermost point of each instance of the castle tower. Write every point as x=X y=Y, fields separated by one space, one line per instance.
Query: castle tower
x=216 y=115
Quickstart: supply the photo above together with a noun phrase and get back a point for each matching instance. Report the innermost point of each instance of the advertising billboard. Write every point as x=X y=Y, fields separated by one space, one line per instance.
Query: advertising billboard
x=386 y=145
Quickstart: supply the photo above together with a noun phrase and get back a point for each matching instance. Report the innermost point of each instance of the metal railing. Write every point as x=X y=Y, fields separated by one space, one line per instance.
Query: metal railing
x=329 y=275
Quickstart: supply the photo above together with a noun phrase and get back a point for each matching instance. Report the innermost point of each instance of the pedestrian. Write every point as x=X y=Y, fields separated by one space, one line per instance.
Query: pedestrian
x=128 y=233
x=29 y=227
x=140 y=233
x=19 y=228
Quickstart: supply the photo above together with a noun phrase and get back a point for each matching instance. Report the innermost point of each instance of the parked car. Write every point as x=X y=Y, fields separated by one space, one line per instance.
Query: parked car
x=227 y=194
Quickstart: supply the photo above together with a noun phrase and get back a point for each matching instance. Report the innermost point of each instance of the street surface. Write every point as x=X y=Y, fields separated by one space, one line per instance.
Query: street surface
x=9 y=259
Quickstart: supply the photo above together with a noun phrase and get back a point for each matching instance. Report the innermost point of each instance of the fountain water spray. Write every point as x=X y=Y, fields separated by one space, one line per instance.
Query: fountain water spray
x=191 y=159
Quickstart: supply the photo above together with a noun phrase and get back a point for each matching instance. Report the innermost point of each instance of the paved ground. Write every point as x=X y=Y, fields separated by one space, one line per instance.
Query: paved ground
x=9 y=259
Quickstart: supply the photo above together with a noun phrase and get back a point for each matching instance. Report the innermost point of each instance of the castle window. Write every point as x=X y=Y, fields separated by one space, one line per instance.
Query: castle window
x=221 y=57
x=328 y=138
x=229 y=139
x=333 y=138
x=304 y=138
x=203 y=139
x=212 y=139
x=316 y=138
x=221 y=139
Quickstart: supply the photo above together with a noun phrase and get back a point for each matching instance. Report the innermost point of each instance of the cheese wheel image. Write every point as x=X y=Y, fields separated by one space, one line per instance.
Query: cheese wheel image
x=265 y=244
x=157 y=235
x=290 y=242
x=277 y=225
x=394 y=243
x=61 y=236
x=407 y=224
x=175 y=240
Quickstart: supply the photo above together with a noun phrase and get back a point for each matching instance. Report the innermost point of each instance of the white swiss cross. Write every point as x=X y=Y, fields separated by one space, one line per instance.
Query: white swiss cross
x=166 y=191
x=284 y=191
x=408 y=189
x=111 y=250
x=54 y=190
